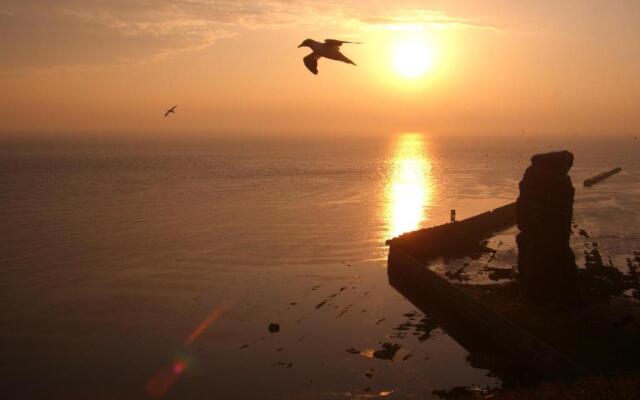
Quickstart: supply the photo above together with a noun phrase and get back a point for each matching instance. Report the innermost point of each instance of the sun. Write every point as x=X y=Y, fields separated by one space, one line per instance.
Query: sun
x=412 y=58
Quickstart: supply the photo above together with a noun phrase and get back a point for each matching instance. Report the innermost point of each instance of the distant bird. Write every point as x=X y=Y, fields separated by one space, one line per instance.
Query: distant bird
x=170 y=111
x=347 y=264
x=329 y=49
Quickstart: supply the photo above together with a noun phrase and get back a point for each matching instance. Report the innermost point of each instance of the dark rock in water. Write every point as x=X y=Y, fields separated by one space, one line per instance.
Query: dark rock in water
x=422 y=329
x=458 y=275
x=352 y=351
x=387 y=352
x=274 y=328
x=496 y=274
x=600 y=282
x=546 y=264
x=456 y=393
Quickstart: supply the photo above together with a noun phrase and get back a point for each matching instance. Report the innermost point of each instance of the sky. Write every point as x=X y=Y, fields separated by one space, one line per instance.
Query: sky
x=233 y=66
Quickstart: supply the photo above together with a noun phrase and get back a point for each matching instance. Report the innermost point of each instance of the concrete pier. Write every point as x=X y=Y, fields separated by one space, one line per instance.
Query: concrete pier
x=554 y=339
x=455 y=237
x=600 y=177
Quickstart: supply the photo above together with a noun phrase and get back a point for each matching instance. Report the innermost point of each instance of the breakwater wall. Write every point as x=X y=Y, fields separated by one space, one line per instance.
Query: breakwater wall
x=455 y=237
x=475 y=324
x=600 y=177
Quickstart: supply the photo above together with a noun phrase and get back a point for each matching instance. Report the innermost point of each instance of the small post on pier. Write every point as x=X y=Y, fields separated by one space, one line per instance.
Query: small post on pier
x=453 y=215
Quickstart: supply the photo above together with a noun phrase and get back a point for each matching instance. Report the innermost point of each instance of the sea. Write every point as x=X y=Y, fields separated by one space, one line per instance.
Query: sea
x=254 y=267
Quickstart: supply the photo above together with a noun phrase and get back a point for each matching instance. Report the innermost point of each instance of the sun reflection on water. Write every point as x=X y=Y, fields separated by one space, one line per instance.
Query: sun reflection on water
x=410 y=187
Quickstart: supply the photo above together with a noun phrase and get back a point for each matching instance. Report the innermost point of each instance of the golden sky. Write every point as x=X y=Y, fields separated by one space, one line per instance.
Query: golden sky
x=233 y=66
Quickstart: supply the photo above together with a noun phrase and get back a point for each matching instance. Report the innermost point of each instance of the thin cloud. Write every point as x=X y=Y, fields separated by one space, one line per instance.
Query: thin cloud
x=34 y=35
x=422 y=17
x=39 y=35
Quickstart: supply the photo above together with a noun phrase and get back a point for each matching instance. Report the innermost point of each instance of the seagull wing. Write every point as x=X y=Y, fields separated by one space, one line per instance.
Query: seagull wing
x=171 y=110
x=337 y=43
x=311 y=62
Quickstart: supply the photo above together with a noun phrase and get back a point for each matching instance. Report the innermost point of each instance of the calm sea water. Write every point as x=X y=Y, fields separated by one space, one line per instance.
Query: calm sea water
x=133 y=269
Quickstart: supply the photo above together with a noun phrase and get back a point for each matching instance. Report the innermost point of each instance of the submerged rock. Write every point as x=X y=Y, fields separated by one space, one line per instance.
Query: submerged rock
x=387 y=352
x=601 y=282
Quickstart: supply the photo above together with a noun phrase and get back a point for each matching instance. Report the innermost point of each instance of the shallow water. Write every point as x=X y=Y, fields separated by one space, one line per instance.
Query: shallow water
x=135 y=268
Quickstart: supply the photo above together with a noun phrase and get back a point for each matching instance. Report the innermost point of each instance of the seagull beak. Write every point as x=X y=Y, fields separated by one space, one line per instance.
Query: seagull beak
x=301 y=44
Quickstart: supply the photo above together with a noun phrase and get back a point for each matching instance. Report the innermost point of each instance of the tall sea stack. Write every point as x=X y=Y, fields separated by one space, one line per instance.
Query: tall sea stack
x=546 y=263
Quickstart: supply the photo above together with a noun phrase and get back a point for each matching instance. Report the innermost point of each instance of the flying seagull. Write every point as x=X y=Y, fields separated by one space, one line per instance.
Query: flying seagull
x=329 y=49
x=169 y=111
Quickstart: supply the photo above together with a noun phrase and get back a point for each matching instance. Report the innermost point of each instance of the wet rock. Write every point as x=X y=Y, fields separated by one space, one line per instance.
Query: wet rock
x=274 y=328
x=600 y=282
x=282 y=364
x=634 y=265
x=410 y=314
x=456 y=393
x=423 y=328
x=387 y=352
x=544 y=210
x=458 y=275
x=345 y=310
x=496 y=274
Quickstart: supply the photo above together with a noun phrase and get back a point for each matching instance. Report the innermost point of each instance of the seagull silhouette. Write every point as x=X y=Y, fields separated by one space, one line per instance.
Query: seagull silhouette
x=170 y=111
x=329 y=49
x=347 y=264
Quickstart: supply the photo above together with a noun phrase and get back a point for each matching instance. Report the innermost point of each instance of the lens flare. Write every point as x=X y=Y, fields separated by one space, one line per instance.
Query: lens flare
x=159 y=384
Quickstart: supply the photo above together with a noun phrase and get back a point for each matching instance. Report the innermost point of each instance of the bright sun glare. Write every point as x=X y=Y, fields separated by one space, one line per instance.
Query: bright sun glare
x=412 y=58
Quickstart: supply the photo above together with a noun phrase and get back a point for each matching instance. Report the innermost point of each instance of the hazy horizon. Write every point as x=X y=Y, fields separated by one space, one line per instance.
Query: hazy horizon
x=163 y=136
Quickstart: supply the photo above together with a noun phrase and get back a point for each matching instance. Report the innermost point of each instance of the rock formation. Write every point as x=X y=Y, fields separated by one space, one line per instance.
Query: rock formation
x=546 y=264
